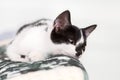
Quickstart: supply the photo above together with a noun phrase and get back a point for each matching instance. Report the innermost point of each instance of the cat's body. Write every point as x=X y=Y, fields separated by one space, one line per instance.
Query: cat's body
x=38 y=40
x=35 y=43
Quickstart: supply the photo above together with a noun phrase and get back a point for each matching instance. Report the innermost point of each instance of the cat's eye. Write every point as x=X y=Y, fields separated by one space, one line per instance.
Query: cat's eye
x=71 y=41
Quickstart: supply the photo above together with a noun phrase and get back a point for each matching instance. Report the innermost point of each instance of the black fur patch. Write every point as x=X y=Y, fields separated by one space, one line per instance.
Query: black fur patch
x=64 y=36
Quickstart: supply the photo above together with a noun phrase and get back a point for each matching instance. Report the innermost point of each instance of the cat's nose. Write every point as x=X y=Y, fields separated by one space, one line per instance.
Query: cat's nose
x=79 y=51
x=22 y=56
x=78 y=48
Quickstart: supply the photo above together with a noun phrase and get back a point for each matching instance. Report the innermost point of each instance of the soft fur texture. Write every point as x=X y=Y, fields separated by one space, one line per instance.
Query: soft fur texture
x=38 y=40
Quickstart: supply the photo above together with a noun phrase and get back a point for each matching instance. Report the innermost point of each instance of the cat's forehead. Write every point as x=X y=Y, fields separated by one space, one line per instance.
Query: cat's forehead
x=75 y=32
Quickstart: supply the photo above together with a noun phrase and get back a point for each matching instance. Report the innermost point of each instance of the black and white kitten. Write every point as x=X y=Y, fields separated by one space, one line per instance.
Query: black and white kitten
x=38 y=40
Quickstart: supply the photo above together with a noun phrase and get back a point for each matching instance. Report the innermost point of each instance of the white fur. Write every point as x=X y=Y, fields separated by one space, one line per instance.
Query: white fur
x=35 y=44
x=59 y=73
x=81 y=40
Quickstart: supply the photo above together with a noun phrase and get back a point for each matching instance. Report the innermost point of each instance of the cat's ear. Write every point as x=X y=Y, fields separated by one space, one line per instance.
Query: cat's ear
x=89 y=29
x=62 y=20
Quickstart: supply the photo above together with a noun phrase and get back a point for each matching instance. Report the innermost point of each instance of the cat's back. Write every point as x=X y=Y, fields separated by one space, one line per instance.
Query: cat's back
x=32 y=34
x=30 y=40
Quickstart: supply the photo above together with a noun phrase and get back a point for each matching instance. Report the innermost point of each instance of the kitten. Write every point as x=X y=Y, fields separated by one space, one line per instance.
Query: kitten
x=38 y=40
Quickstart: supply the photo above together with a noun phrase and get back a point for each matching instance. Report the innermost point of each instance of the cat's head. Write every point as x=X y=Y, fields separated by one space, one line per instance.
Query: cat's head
x=65 y=32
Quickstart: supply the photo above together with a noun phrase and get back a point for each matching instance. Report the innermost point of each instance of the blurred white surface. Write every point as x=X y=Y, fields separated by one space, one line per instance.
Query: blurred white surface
x=102 y=54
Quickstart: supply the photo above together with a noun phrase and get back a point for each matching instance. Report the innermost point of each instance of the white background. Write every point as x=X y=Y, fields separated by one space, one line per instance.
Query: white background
x=102 y=56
